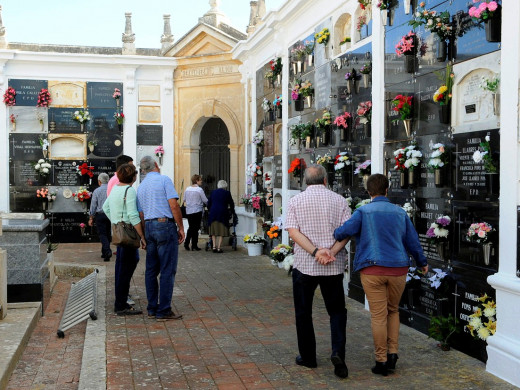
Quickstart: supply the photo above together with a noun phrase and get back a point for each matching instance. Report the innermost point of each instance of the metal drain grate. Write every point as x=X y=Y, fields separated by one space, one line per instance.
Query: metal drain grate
x=81 y=303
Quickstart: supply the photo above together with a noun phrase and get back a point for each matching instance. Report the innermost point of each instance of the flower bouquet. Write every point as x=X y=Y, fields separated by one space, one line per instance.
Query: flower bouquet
x=483 y=323
x=438 y=230
x=323 y=36
x=298 y=54
x=258 y=138
x=42 y=193
x=479 y=232
x=402 y=104
x=246 y=199
x=489 y=12
x=159 y=152
x=119 y=117
x=266 y=105
x=342 y=162
x=323 y=127
x=253 y=238
x=307 y=91
x=42 y=167
x=277 y=103
x=362 y=203
x=364 y=112
x=10 y=97
x=351 y=78
x=325 y=161
x=383 y=4
x=82 y=195
x=297 y=165
x=254 y=170
x=44 y=98
x=363 y=169
x=363 y=4
x=492 y=85
x=407 y=46
x=255 y=201
x=437 y=161
x=361 y=21
x=345 y=40
x=365 y=70
x=85 y=170
x=268 y=178
x=276 y=68
x=117 y=96
x=280 y=252
x=485 y=156
x=273 y=232
x=81 y=116
x=342 y=121
x=82 y=227
x=12 y=119
x=406 y=160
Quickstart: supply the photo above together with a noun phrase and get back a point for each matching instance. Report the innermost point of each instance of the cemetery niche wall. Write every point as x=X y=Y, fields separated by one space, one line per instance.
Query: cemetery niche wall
x=62 y=135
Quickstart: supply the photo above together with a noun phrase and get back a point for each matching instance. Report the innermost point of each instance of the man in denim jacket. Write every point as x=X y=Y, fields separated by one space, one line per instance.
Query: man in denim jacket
x=385 y=236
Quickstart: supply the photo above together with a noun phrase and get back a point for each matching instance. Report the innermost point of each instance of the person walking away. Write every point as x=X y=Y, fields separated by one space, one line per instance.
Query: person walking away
x=164 y=231
x=120 y=160
x=98 y=216
x=121 y=205
x=195 y=200
x=221 y=208
x=384 y=237
x=311 y=218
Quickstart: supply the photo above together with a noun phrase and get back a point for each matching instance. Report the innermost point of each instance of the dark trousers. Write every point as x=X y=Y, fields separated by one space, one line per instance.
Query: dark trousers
x=104 y=229
x=334 y=297
x=193 y=230
x=126 y=262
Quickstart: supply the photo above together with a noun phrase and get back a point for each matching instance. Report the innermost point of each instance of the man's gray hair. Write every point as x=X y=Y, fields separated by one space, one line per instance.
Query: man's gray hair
x=147 y=164
x=103 y=178
x=315 y=174
x=222 y=184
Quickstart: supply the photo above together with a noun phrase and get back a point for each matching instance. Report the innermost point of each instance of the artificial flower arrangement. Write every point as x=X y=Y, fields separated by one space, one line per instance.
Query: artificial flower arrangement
x=485 y=156
x=403 y=105
x=119 y=117
x=41 y=117
x=438 y=157
x=299 y=52
x=297 y=165
x=255 y=201
x=276 y=66
x=413 y=274
x=436 y=279
x=44 y=98
x=342 y=162
x=273 y=232
x=363 y=168
x=438 y=23
x=12 y=118
x=479 y=232
x=266 y=105
x=484 y=11
x=363 y=4
x=309 y=47
x=253 y=238
x=383 y=4
x=306 y=88
x=324 y=160
x=269 y=75
x=407 y=158
x=117 y=94
x=296 y=132
x=269 y=197
x=10 y=97
x=268 y=177
x=483 y=323
x=364 y=112
x=361 y=21
x=81 y=116
x=254 y=170
x=258 y=138
x=159 y=151
x=438 y=230
x=44 y=143
x=342 y=120
x=344 y=40
x=366 y=68
x=280 y=252
x=42 y=167
x=324 y=121
x=85 y=169
x=323 y=36
x=277 y=102
x=409 y=210
x=46 y=193
x=352 y=75
x=246 y=199
x=490 y=85
x=407 y=45
x=82 y=195
x=443 y=94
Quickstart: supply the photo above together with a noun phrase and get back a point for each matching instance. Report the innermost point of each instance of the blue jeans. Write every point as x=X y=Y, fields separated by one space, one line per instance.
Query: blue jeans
x=126 y=262
x=162 y=249
x=104 y=232
x=334 y=297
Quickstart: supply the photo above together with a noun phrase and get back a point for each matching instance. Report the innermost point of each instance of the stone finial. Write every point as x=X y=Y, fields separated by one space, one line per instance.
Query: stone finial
x=252 y=17
x=3 y=41
x=261 y=10
x=166 y=37
x=214 y=4
x=128 y=36
x=214 y=17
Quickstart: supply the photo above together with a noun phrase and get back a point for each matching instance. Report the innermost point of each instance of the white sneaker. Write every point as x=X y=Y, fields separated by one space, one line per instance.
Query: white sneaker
x=130 y=301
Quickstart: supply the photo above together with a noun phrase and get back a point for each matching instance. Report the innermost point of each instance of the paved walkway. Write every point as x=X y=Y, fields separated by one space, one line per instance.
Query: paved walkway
x=237 y=333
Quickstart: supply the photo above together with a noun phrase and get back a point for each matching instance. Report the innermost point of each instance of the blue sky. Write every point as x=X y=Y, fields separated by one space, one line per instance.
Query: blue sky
x=101 y=22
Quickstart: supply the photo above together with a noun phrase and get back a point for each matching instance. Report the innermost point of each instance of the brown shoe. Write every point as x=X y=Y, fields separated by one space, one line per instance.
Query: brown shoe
x=170 y=316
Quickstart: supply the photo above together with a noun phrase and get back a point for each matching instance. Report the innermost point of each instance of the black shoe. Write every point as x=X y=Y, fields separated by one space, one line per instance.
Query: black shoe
x=301 y=362
x=380 y=368
x=107 y=258
x=129 y=312
x=170 y=316
x=340 y=368
x=391 y=360
x=196 y=248
x=186 y=247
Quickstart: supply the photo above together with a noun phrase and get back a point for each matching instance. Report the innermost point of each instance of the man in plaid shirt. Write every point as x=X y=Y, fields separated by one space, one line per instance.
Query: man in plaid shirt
x=311 y=219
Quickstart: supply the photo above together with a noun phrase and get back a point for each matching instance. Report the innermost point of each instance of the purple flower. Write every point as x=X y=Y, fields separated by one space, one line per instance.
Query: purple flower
x=430 y=233
x=444 y=221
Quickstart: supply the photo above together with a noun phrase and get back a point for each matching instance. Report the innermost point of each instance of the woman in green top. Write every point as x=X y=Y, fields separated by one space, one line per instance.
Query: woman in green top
x=126 y=258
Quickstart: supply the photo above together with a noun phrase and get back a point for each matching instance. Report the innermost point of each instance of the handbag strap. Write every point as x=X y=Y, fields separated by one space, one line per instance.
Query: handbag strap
x=124 y=203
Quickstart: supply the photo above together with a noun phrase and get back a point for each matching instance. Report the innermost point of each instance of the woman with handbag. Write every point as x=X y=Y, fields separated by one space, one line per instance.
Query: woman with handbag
x=195 y=200
x=121 y=208
x=221 y=207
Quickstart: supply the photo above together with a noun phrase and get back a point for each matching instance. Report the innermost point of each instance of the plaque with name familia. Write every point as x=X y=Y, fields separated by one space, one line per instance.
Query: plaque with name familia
x=100 y=95
x=149 y=135
x=27 y=91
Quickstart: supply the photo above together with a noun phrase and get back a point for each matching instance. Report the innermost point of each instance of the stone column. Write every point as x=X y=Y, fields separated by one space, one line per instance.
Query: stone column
x=128 y=36
x=167 y=37
x=378 y=92
x=234 y=179
x=3 y=280
x=285 y=141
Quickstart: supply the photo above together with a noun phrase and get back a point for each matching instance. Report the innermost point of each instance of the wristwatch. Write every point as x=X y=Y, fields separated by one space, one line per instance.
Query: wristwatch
x=315 y=251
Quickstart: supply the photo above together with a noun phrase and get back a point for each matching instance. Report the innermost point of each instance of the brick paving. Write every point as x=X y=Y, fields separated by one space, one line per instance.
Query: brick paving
x=237 y=333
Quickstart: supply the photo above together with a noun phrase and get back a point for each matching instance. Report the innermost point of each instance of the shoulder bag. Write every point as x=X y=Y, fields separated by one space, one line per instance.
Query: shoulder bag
x=124 y=234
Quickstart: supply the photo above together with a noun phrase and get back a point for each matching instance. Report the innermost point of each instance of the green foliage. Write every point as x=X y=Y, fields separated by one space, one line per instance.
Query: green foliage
x=442 y=328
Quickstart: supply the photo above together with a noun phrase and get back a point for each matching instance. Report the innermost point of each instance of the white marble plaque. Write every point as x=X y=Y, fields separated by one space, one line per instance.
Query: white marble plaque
x=149 y=93
x=149 y=114
x=28 y=119
x=68 y=94
x=68 y=146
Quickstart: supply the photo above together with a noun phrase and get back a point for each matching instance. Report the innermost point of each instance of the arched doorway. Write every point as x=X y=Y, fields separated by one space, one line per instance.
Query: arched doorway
x=214 y=153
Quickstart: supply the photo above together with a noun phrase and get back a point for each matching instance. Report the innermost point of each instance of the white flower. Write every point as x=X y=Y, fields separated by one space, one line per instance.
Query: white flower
x=436 y=153
x=441 y=232
x=398 y=152
x=339 y=166
x=45 y=170
x=47 y=165
x=487 y=138
x=418 y=14
x=416 y=153
x=437 y=146
x=477 y=156
x=41 y=160
x=430 y=22
x=37 y=166
x=475 y=322
x=489 y=312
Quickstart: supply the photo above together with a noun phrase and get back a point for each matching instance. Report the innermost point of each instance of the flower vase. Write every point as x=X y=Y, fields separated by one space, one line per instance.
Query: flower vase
x=493 y=27
x=82 y=127
x=254 y=249
x=486 y=252
x=82 y=229
x=325 y=135
x=117 y=103
x=299 y=104
x=350 y=86
x=407 y=6
x=411 y=178
x=260 y=150
x=294 y=67
x=318 y=141
x=384 y=16
x=45 y=152
x=308 y=142
x=309 y=101
x=299 y=66
x=310 y=59
x=437 y=174
x=442 y=250
x=357 y=85
x=366 y=80
x=279 y=79
x=402 y=179
x=44 y=205
x=409 y=63
x=365 y=179
x=367 y=130
x=41 y=125
x=492 y=181
x=445 y=114
x=496 y=104
x=343 y=134
x=91 y=148
x=160 y=159
x=346 y=176
x=272 y=115
x=13 y=126
x=407 y=126
x=442 y=51
x=279 y=112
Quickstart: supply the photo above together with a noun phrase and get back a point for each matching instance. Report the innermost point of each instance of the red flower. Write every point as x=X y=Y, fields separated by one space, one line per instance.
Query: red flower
x=84 y=169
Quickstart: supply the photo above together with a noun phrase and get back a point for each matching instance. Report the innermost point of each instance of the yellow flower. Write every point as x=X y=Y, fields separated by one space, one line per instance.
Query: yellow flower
x=443 y=89
x=483 y=333
x=483 y=298
x=491 y=326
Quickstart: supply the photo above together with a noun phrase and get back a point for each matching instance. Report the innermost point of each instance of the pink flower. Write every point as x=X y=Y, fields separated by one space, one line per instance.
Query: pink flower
x=492 y=6
x=482 y=234
x=477 y=14
x=471 y=11
x=476 y=1
x=482 y=7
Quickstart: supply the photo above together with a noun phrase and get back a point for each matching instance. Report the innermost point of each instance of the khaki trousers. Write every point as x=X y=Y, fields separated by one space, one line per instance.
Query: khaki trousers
x=383 y=295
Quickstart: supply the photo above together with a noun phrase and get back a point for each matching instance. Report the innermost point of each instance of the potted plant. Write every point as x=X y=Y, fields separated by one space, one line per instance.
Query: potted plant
x=44 y=98
x=403 y=105
x=298 y=54
x=81 y=116
x=343 y=121
x=10 y=97
x=323 y=128
x=405 y=161
x=322 y=38
x=483 y=155
x=442 y=328
x=437 y=234
x=479 y=233
x=159 y=152
x=437 y=161
x=483 y=323
x=363 y=170
x=117 y=96
x=407 y=47
x=365 y=70
x=364 y=113
x=279 y=253
x=492 y=85
x=254 y=244
x=489 y=12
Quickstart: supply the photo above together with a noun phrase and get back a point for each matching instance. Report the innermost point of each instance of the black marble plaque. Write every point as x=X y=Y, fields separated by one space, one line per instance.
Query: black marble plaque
x=62 y=117
x=322 y=86
x=22 y=173
x=25 y=147
x=27 y=91
x=102 y=119
x=107 y=166
x=99 y=95
x=65 y=227
x=22 y=199
x=108 y=144
x=277 y=171
x=65 y=173
x=149 y=135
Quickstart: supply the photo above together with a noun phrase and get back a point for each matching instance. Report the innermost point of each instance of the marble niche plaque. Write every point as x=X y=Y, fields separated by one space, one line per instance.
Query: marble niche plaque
x=60 y=121
x=65 y=173
x=322 y=86
x=149 y=93
x=27 y=91
x=149 y=135
x=22 y=174
x=105 y=144
x=68 y=146
x=102 y=120
x=100 y=95
x=25 y=147
x=28 y=119
x=66 y=226
x=149 y=114
x=269 y=140
x=68 y=93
